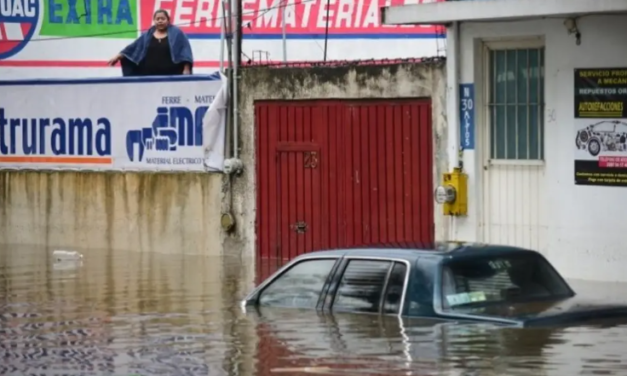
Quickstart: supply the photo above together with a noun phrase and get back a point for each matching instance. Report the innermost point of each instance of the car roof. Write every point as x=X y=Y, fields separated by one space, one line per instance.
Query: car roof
x=439 y=250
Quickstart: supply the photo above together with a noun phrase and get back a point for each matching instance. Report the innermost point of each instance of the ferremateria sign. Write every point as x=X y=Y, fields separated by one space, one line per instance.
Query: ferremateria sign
x=601 y=126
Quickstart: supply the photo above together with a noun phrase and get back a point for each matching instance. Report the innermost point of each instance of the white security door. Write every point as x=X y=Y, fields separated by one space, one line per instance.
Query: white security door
x=513 y=144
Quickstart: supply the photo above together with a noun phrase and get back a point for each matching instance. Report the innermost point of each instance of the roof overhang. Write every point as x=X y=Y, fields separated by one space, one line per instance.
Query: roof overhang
x=446 y=12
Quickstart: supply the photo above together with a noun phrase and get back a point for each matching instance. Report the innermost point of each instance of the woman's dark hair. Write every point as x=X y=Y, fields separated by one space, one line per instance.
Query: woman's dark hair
x=162 y=11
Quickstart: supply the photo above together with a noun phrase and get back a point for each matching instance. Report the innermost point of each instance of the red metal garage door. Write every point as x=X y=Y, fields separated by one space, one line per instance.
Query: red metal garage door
x=342 y=173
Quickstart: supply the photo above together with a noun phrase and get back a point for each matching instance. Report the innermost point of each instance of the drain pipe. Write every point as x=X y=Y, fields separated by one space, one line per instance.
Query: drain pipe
x=222 y=40
x=234 y=165
x=227 y=220
x=284 y=34
x=228 y=34
x=236 y=60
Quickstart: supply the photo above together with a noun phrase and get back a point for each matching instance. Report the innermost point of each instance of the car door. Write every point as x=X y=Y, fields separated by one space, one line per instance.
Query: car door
x=368 y=285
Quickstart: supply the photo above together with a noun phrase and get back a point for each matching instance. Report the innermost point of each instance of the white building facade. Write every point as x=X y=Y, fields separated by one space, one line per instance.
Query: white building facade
x=544 y=142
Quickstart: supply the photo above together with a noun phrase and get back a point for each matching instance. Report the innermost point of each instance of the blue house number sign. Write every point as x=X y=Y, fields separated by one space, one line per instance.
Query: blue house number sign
x=467 y=116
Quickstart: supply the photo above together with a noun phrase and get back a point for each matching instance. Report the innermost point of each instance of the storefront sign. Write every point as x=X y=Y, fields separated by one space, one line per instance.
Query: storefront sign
x=87 y=18
x=147 y=124
x=601 y=126
x=303 y=18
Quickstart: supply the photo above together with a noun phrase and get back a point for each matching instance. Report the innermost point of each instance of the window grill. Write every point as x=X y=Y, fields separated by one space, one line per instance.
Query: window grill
x=516 y=104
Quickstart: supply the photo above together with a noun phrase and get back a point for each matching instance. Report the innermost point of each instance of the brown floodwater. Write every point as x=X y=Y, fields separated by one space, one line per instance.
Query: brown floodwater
x=130 y=313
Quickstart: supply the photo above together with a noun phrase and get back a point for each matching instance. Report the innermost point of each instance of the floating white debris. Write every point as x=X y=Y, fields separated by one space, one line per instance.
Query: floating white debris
x=61 y=255
x=67 y=265
x=302 y=369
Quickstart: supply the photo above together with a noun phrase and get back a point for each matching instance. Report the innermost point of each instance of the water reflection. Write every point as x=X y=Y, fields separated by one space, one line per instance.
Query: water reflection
x=116 y=312
x=371 y=345
x=128 y=313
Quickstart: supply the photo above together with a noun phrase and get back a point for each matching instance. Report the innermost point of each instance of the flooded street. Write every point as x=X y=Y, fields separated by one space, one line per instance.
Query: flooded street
x=130 y=313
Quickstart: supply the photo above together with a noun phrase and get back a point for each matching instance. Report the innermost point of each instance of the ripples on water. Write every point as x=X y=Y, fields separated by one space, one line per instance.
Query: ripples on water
x=129 y=313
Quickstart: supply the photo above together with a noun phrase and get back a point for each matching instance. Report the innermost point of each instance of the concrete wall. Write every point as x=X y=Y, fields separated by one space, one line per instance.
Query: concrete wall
x=425 y=79
x=585 y=224
x=167 y=213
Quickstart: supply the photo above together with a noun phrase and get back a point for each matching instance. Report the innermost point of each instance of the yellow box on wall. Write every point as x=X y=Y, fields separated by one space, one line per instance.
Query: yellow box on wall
x=457 y=181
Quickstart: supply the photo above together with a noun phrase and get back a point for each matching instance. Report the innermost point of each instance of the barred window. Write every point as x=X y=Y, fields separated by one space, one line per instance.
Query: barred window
x=516 y=104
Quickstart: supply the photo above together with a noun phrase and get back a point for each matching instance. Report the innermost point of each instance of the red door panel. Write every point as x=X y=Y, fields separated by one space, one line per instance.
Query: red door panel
x=371 y=183
x=297 y=176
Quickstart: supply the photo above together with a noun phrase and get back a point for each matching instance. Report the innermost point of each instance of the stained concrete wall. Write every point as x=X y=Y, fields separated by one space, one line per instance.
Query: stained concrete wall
x=406 y=80
x=167 y=213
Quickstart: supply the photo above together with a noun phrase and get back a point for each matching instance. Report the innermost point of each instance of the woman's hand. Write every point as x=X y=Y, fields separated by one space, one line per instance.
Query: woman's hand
x=186 y=69
x=115 y=59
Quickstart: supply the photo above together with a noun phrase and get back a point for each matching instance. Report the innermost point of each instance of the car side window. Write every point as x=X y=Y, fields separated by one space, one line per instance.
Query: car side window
x=299 y=286
x=419 y=299
x=394 y=292
x=361 y=286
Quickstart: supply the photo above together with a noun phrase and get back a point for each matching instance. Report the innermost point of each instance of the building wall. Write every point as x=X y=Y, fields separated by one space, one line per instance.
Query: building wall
x=426 y=79
x=166 y=213
x=584 y=225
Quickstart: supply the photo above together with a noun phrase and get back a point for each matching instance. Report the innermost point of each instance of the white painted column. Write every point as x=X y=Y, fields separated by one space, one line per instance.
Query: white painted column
x=452 y=98
x=452 y=106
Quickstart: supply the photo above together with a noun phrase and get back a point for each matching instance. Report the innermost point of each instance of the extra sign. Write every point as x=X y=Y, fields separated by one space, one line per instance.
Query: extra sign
x=467 y=116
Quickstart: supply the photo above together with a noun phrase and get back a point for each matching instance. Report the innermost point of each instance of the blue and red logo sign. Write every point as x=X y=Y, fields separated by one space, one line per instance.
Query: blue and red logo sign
x=18 y=22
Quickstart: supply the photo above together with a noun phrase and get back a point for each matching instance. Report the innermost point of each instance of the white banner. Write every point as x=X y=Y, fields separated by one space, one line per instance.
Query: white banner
x=137 y=124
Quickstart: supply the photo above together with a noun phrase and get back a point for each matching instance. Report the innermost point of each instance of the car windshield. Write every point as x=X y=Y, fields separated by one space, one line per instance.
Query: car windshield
x=499 y=279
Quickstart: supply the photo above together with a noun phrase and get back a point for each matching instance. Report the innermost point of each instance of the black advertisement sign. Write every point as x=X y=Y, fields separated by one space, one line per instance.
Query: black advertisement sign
x=601 y=126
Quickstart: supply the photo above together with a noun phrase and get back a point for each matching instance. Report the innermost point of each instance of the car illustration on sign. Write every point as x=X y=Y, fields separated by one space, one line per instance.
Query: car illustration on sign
x=451 y=281
x=608 y=135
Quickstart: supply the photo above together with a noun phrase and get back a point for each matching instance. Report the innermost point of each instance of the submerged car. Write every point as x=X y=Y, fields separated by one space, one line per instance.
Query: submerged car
x=452 y=281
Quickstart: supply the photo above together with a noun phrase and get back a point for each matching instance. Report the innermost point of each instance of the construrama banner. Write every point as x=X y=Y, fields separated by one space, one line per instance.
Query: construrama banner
x=106 y=124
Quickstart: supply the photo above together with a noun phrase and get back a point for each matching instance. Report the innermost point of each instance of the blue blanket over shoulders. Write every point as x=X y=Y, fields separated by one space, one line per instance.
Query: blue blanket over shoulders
x=134 y=53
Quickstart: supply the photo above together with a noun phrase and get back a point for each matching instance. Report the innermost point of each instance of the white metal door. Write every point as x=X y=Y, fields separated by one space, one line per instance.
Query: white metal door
x=513 y=163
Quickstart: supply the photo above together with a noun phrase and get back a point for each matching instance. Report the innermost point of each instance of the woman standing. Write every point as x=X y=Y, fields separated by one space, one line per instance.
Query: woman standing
x=163 y=50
